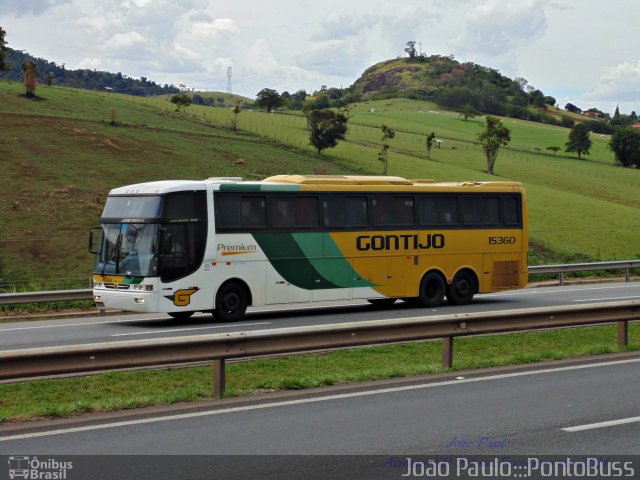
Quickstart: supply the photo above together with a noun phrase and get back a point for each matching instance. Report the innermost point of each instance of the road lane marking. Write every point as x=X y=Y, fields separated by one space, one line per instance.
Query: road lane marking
x=610 y=423
x=153 y=332
x=115 y=322
x=537 y=291
x=36 y=327
x=302 y=401
x=609 y=298
x=293 y=308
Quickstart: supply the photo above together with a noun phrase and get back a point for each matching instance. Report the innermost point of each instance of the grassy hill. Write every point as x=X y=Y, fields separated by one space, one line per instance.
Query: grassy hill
x=60 y=157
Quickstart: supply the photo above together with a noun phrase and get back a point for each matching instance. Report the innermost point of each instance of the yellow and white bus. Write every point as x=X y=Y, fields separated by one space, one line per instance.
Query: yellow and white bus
x=222 y=244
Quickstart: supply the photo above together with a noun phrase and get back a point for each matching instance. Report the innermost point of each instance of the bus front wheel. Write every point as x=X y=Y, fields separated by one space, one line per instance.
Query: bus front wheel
x=432 y=290
x=231 y=302
x=462 y=289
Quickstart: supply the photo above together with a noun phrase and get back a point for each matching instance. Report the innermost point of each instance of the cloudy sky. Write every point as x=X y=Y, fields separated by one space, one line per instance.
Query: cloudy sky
x=582 y=51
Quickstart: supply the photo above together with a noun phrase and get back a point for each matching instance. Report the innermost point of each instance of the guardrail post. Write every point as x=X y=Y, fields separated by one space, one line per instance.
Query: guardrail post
x=447 y=352
x=218 y=377
x=623 y=333
x=627 y=275
x=561 y=278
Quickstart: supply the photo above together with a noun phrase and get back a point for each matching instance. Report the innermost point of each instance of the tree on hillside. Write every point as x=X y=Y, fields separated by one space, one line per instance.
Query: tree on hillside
x=3 y=51
x=570 y=107
x=236 y=111
x=181 y=100
x=494 y=136
x=296 y=100
x=327 y=127
x=430 y=140
x=268 y=99
x=30 y=81
x=579 y=140
x=411 y=49
x=536 y=98
x=625 y=143
x=383 y=155
x=554 y=149
x=622 y=120
x=468 y=111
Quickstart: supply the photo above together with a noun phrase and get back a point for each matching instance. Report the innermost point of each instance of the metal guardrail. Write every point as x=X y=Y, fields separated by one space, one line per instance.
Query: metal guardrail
x=35 y=362
x=86 y=294
x=626 y=265
x=44 y=297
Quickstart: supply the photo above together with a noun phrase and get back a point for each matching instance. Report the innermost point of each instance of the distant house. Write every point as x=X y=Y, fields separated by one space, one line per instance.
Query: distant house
x=592 y=114
x=636 y=125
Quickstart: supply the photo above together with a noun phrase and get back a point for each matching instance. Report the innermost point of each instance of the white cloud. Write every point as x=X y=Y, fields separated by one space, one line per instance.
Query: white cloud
x=90 y=64
x=126 y=40
x=496 y=28
x=560 y=46
x=344 y=26
x=19 y=8
x=619 y=83
x=214 y=28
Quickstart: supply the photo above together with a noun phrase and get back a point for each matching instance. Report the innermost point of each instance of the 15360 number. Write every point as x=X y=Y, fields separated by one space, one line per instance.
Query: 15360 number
x=502 y=240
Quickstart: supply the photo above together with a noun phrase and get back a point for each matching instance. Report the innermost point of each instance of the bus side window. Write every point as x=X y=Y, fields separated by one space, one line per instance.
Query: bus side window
x=345 y=211
x=439 y=210
x=449 y=210
x=511 y=210
x=393 y=210
x=253 y=212
x=306 y=211
x=228 y=211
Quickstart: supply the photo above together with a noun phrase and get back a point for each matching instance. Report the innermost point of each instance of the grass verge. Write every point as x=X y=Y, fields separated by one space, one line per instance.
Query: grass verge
x=125 y=390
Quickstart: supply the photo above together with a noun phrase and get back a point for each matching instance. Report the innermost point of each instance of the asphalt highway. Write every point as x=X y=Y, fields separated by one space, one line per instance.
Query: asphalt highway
x=391 y=429
x=589 y=408
x=128 y=327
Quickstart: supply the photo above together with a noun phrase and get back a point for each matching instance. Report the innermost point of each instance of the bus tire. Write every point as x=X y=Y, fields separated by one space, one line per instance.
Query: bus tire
x=462 y=288
x=432 y=289
x=381 y=302
x=231 y=302
x=181 y=315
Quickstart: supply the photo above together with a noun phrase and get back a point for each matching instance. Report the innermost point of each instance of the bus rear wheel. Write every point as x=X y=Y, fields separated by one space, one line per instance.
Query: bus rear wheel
x=231 y=302
x=432 y=290
x=462 y=289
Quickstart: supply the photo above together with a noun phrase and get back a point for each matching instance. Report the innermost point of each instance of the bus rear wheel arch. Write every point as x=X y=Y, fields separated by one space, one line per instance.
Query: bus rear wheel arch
x=432 y=289
x=462 y=289
x=231 y=301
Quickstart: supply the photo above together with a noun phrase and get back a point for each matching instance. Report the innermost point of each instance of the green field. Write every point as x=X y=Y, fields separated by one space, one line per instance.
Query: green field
x=60 y=157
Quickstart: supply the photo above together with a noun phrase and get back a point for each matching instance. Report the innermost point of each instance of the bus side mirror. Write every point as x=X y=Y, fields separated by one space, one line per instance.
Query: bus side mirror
x=92 y=248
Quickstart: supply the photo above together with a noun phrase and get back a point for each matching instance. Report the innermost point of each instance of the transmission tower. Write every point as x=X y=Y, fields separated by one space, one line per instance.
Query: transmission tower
x=229 y=89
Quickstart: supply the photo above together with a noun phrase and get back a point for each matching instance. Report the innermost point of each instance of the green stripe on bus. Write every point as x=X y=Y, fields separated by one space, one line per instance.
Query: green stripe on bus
x=328 y=260
x=290 y=262
x=289 y=255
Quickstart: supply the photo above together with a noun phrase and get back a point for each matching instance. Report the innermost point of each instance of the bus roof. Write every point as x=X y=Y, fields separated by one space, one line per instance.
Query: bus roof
x=313 y=183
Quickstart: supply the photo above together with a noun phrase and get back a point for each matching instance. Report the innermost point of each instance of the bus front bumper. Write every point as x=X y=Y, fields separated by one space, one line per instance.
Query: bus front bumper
x=144 y=302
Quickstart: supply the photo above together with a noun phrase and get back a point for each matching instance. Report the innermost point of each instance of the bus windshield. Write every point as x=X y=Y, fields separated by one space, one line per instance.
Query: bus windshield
x=128 y=249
